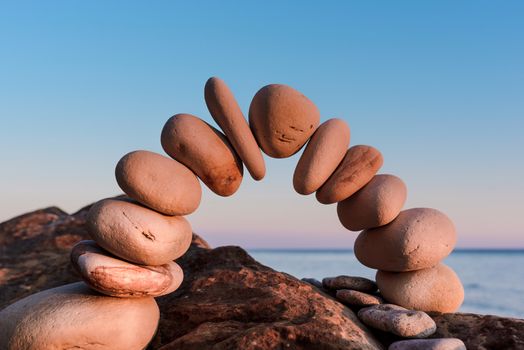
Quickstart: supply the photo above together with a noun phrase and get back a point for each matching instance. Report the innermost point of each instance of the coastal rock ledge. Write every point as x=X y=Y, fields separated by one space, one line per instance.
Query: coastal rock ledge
x=227 y=300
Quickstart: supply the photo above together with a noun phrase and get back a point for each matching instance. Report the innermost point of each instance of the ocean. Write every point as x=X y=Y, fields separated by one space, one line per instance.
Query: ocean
x=493 y=279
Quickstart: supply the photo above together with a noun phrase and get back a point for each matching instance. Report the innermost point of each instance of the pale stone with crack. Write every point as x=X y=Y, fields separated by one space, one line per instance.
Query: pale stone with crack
x=75 y=317
x=398 y=320
x=136 y=233
x=118 y=278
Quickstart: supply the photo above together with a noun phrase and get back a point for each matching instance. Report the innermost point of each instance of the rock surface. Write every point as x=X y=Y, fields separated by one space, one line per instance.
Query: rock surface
x=34 y=255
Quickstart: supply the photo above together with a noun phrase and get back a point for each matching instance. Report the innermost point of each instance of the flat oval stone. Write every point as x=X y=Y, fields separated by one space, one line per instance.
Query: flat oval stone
x=282 y=120
x=158 y=182
x=227 y=114
x=376 y=204
x=205 y=150
x=138 y=234
x=358 y=299
x=350 y=282
x=417 y=239
x=398 y=320
x=322 y=155
x=429 y=344
x=118 y=278
x=434 y=289
x=75 y=317
x=357 y=168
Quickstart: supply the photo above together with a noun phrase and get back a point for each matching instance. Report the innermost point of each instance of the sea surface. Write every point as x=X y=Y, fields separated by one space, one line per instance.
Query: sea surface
x=493 y=279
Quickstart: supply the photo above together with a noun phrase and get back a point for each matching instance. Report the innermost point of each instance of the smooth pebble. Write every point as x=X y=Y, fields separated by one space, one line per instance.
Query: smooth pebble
x=429 y=344
x=158 y=182
x=322 y=155
x=360 y=284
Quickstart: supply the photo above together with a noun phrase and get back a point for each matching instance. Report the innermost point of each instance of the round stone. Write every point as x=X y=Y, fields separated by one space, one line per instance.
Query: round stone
x=356 y=298
x=75 y=317
x=138 y=234
x=227 y=114
x=429 y=344
x=357 y=168
x=417 y=239
x=205 y=150
x=398 y=320
x=350 y=282
x=158 y=182
x=322 y=155
x=434 y=289
x=115 y=277
x=376 y=204
x=282 y=120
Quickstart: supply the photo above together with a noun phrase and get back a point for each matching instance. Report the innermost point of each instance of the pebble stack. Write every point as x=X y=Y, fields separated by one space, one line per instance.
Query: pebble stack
x=136 y=239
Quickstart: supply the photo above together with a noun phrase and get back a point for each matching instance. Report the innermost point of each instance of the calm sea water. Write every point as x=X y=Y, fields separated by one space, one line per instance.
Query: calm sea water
x=493 y=279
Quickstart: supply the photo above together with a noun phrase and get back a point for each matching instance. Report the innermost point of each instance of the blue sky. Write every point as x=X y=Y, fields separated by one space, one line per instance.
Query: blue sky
x=437 y=86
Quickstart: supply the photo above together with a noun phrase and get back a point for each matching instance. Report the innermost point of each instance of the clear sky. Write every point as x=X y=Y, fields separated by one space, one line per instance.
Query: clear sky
x=437 y=86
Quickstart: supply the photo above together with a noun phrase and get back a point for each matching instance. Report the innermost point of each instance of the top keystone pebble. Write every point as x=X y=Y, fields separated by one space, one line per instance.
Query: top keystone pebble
x=227 y=114
x=158 y=182
x=282 y=120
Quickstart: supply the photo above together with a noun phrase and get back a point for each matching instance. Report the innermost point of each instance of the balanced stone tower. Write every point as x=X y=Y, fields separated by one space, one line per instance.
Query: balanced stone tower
x=137 y=239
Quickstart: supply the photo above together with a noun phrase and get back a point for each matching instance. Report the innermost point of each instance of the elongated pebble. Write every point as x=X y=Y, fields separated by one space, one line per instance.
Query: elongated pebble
x=75 y=317
x=350 y=282
x=357 y=168
x=398 y=320
x=115 y=277
x=205 y=151
x=358 y=299
x=376 y=204
x=282 y=120
x=158 y=182
x=429 y=344
x=227 y=114
x=322 y=155
x=138 y=234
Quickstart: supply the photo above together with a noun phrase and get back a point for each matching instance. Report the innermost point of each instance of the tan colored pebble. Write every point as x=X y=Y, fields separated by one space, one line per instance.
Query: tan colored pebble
x=75 y=317
x=398 y=320
x=417 y=239
x=434 y=289
x=322 y=155
x=429 y=344
x=282 y=120
x=356 y=298
x=376 y=204
x=138 y=234
x=158 y=182
x=357 y=168
x=205 y=150
x=227 y=114
x=115 y=277
x=350 y=282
